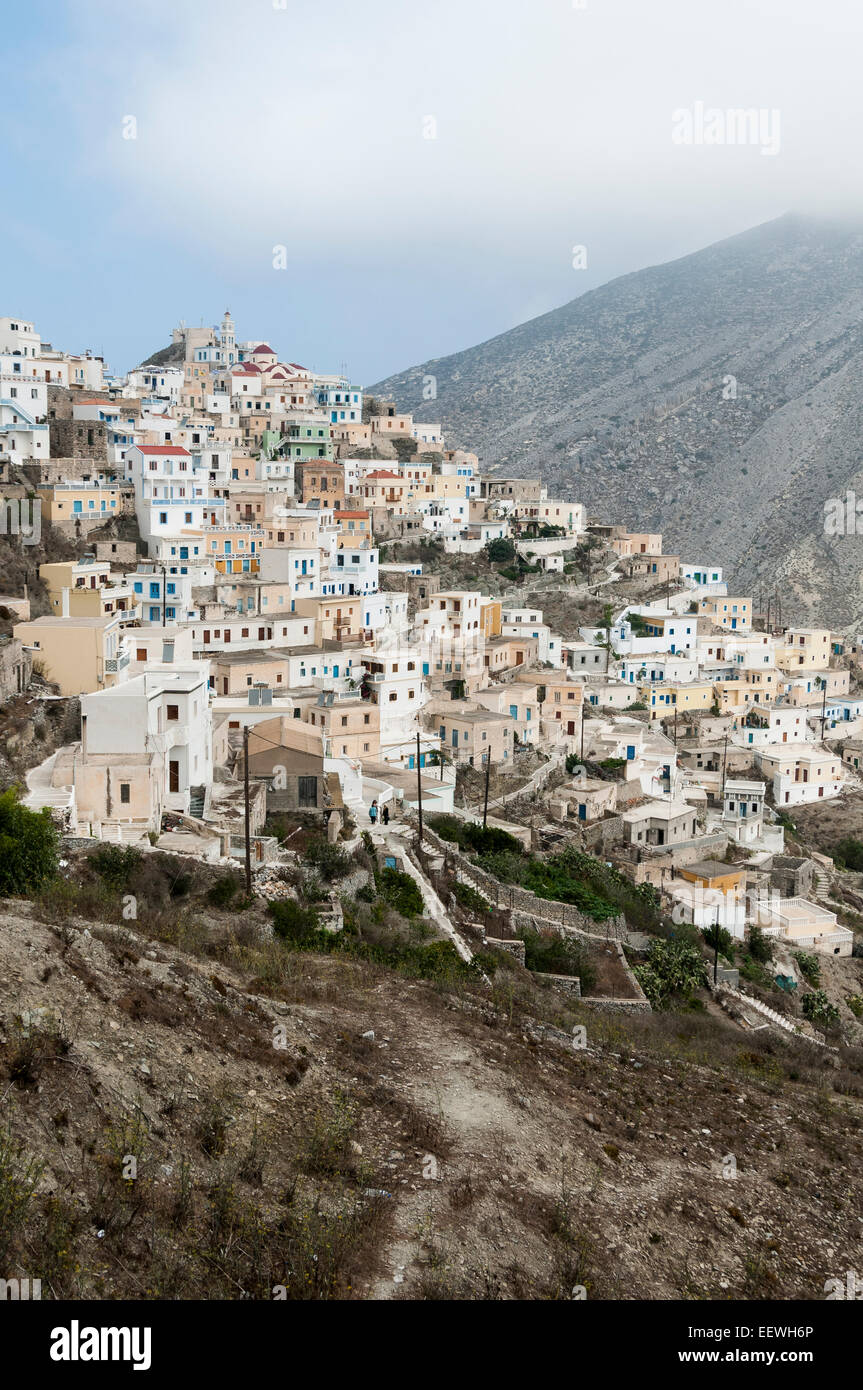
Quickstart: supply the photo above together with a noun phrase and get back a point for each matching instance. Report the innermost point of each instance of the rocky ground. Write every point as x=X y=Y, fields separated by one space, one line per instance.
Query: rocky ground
x=333 y=1127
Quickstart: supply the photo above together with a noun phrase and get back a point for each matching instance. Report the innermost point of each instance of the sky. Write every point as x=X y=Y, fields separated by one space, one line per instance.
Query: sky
x=370 y=185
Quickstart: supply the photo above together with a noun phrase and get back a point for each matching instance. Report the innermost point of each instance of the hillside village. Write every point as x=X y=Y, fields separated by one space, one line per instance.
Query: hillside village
x=273 y=632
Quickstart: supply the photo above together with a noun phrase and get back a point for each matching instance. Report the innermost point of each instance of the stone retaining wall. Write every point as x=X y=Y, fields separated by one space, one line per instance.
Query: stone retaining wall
x=521 y=900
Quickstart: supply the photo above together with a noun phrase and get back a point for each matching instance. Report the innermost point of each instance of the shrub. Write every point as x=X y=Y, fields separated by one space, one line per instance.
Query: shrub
x=760 y=945
x=294 y=924
x=225 y=890
x=29 y=847
x=500 y=551
x=469 y=898
x=818 y=1009
x=672 y=968
x=810 y=967
x=552 y=954
x=850 y=853
x=722 y=936
x=330 y=860
x=401 y=892
x=115 y=864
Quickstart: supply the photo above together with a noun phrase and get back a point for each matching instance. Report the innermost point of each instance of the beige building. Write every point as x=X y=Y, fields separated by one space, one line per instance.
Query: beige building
x=79 y=655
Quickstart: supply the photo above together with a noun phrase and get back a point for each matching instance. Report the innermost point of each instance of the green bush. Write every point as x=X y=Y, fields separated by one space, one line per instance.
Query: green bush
x=29 y=847
x=810 y=967
x=725 y=940
x=331 y=861
x=225 y=890
x=673 y=969
x=760 y=945
x=500 y=551
x=295 y=924
x=549 y=953
x=115 y=864
x=850 y=853
x=401 y=892
x=469 y=898
x=818 y=1009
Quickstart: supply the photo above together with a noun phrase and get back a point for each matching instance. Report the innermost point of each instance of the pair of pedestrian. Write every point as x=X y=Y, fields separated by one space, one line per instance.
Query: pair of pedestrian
x=373 y=814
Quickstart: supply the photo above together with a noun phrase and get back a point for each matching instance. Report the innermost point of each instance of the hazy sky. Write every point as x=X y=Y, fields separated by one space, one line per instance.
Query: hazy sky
x=273 y=123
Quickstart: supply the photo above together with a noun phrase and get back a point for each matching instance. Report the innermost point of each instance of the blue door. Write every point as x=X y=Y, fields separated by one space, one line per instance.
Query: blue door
x=582 y=811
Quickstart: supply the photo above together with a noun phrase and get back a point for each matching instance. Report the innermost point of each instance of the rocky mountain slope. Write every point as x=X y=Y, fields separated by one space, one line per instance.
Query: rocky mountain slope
x=716 y=398
x=188 y=1110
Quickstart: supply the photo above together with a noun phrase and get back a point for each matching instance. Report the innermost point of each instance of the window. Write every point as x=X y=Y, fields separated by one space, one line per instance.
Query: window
x=125 y=793
x=172 y=712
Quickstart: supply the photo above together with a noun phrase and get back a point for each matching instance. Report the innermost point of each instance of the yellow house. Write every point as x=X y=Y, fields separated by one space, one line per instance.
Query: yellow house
x=734 y=614
x=805 y=649
x=711 y=873
x=79 y=655
x=354 y=528
x=490 y=618
x=83 y=589
x=89 y=503
x=231 y=549
x=334 y=618
x=665 y=697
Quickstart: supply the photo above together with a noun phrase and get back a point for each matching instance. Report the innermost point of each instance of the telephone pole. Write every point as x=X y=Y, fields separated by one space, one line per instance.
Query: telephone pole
x=823 y=710
x=724 y=756
x=419 y=791
x=246 y=811
x=487 y=776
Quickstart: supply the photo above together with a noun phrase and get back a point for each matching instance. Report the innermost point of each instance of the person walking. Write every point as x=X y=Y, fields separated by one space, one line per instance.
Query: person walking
x=373 y=812
x=385 y=814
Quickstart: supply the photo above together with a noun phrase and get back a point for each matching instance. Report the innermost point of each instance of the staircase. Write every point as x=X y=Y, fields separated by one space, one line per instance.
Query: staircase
x=196 y=803
x=725 y=992
x=821 y=883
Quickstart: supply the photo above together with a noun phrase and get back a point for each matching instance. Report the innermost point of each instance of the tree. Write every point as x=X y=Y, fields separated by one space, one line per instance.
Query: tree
x=500 y=550
x=29 y=847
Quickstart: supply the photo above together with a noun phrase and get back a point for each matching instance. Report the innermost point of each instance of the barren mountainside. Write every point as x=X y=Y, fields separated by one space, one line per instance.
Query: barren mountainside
x=715 y=398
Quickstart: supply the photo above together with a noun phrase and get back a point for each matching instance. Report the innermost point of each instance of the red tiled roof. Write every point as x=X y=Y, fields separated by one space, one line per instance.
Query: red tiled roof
x=163 y=449
x=382 y=473
x=263 y=347
x=340 y=513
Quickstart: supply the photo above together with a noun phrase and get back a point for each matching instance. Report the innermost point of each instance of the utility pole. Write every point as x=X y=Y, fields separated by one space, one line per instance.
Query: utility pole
x=823 y=710
x=246 y=811
x=724 y=756
x=716 y=950
x=164 y=593
x=582 y=724
x=419 y=792
x=487 y=776
x=675 y=725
